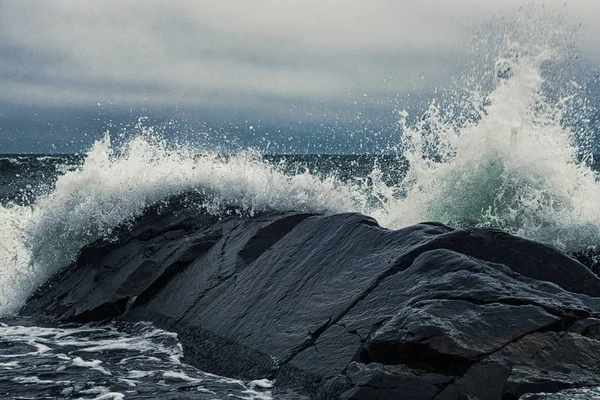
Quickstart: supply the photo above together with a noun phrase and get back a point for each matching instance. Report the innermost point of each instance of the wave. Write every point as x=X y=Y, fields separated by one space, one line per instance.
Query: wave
x=510 y=161
x=515 y=166
x=115 y=185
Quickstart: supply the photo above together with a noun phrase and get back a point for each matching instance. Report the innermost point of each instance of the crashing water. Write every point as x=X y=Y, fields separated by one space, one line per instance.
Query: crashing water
x=515 y=167
x=113 y=186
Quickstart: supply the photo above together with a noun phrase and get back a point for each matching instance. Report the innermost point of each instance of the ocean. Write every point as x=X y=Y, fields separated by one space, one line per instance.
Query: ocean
x=513 y=161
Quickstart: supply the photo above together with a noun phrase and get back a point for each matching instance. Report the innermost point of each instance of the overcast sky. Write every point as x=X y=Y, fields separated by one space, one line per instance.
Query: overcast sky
x=68 y=68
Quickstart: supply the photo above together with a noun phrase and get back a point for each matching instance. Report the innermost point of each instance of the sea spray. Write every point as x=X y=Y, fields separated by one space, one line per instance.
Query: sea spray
x=115 y=185
x=509 y=161
x=513 y=165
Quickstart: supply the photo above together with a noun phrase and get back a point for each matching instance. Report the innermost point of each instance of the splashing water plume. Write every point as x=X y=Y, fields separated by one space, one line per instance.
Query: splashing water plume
x=514 y=166
x=509 y=163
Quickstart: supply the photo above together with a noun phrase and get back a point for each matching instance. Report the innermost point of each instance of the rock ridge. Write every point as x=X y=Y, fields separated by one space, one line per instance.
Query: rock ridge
x=335 y=306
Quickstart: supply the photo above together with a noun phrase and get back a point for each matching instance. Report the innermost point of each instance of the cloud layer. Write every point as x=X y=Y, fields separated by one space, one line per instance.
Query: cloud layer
x=239 y=54
x=63 y=52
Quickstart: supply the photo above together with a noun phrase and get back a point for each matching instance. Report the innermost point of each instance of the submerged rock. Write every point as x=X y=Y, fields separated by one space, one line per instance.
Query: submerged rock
x=337 y=307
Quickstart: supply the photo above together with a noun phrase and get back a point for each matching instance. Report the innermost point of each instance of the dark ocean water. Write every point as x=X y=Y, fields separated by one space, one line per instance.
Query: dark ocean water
x=22 y=176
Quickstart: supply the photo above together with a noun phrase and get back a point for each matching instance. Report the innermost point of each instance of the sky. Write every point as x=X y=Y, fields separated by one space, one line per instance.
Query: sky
x=297 y=75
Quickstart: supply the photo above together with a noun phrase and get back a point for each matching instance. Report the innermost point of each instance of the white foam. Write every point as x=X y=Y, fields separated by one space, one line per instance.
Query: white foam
x=134 y=374
x=181 y=376
x=254 y=395
x=130 y=382
x=108 y=374
x=32 y=380
x=93 y=364
x=9 y=365
x=261 y=383
x=104 y=393
x=110 y=396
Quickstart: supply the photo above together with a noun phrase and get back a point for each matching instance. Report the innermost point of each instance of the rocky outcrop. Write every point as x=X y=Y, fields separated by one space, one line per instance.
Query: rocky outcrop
x=337 y=307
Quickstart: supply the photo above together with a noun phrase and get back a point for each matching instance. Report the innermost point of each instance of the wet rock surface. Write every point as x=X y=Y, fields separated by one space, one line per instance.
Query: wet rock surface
x=338 y=307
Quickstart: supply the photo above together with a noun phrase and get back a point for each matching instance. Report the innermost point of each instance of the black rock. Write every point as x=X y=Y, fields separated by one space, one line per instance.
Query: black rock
x=337 y=307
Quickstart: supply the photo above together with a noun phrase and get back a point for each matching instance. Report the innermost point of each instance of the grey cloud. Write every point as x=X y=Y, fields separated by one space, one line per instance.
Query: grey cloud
x=273 y=55
x=188 y=50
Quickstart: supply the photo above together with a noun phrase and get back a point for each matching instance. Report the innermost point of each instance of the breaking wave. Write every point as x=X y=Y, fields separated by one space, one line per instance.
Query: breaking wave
x=508 y=160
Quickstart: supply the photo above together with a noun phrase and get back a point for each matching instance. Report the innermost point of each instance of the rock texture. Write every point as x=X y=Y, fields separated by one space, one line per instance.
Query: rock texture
x=337 y=307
